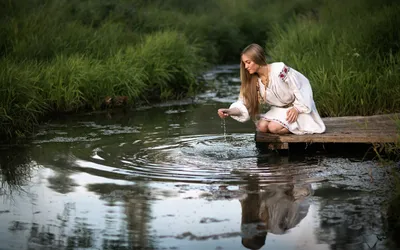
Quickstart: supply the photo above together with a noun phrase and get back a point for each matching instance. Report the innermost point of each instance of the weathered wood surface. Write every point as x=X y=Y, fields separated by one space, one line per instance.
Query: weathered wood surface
x=347 y=129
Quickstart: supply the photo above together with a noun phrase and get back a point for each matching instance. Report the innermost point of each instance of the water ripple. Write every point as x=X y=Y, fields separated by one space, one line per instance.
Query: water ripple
x=202 y=159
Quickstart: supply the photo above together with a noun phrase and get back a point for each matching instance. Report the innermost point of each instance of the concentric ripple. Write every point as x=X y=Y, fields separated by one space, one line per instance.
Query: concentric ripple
x=208 y=159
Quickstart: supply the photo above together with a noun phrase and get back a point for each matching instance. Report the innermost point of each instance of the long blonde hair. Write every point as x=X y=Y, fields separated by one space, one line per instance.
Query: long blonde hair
x=248 y=88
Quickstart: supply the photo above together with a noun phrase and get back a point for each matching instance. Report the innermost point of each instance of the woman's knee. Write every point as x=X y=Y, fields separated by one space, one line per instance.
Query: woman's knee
x=262 y=126
x=274 y=127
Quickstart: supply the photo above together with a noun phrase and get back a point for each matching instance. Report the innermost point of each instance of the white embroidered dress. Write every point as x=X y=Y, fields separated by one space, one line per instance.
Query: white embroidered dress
x=287 y=88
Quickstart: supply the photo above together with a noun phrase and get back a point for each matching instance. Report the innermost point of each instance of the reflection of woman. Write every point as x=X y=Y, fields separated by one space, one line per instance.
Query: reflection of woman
x=274 y=209
x=253 y=229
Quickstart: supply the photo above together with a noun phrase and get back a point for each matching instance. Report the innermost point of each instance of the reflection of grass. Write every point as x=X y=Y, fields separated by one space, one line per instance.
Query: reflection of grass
x=394 y=206
x=393 y=213
x=137 y=209
x=389 y=154
x=71 y=230
x=58 y=236
x=61 y=183
x=15 y=169
x=115 y=192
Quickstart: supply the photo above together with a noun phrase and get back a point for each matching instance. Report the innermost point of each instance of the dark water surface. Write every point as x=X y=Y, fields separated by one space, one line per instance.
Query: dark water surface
x=174 y=176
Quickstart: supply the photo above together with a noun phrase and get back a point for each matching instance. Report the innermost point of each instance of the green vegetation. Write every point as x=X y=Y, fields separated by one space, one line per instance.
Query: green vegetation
x=151 y=70
x=350 y=51
x=66 y=56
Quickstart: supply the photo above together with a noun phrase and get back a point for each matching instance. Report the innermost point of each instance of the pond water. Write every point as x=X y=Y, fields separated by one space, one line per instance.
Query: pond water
x=175 y=176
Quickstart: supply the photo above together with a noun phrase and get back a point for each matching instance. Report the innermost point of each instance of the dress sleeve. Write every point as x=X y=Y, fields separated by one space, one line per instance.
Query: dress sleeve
x=244 y=113
x=301 y=88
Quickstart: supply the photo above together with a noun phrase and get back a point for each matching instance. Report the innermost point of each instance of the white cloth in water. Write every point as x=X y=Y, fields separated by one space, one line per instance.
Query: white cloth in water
x=287 y=87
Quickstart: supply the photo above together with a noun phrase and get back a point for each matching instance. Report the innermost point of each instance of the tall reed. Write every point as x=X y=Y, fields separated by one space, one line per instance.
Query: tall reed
x=164 y=65
x=347 y=53
x=21 y=102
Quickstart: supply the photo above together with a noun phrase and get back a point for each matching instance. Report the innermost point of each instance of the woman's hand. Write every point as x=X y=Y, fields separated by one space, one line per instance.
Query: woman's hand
x=223 y=113
x=291 y=115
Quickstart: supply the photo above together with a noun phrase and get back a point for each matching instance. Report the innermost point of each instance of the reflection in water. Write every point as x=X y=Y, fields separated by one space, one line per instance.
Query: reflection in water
x=275 y=209
x=62 y=234
x=15 y=169
x=268 y=205
x=135 y=203
x=69 y=228
x=352 y=221
x=61 y=183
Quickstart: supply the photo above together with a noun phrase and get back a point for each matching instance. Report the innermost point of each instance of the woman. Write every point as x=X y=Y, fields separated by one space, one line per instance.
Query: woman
x=286 y=90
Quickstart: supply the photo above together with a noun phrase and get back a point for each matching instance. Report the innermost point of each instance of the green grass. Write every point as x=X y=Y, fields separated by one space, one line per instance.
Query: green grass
x=44 y=28
x=65 y=56
x=21 y=103
x=350 y=54
x=162 y=66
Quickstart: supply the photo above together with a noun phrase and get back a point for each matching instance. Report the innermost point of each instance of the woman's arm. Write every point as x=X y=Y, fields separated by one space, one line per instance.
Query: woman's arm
x=237 y=111
x=301 y=88
x=229 y=112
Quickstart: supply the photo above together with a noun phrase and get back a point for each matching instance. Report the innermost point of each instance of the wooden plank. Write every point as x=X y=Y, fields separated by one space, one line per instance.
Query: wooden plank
x=353 y=129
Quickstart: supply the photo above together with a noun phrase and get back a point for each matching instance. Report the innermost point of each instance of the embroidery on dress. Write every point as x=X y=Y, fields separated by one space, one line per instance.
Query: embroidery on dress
x=260 y=98
x=284 y=73
x=276 y=120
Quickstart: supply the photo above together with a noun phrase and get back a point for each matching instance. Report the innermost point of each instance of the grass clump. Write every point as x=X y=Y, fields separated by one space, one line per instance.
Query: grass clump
x=162 y=66
x=350 y=54
x=21 y=102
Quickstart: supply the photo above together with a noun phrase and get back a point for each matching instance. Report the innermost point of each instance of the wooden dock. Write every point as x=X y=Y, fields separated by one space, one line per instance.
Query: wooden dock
x=347 y=129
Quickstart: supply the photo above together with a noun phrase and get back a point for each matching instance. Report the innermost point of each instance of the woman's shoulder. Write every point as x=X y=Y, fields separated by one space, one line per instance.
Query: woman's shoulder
x=279 y=69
